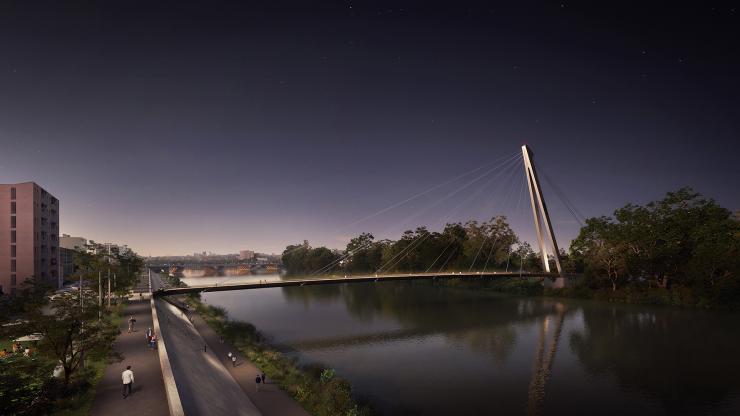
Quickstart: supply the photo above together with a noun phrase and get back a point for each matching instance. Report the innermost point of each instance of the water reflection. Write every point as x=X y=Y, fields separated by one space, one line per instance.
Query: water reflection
x=687 y=360
x=401 y=344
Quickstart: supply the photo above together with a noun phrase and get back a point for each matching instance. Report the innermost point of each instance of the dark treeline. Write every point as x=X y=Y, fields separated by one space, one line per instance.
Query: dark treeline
x=684 y=242
x=490 y=245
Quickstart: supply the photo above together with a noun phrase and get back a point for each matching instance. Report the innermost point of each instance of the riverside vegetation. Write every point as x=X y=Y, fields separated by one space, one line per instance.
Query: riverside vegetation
x=80 y=357
x=683 y=249
x=317 y=389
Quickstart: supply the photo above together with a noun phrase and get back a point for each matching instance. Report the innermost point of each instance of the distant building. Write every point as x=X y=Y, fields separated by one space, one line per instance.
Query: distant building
x=246 y=255
x=67 y=260
x=72 y=243
x=29 y=230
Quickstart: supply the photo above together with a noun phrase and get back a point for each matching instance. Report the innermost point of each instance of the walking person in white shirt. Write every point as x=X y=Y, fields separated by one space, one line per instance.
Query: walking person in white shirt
x=128 y=380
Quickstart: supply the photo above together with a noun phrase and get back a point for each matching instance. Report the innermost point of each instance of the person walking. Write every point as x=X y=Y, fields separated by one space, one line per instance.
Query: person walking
x=131 y=322
x=257 y=381
x=233 y=360
x=229 y=358
x=149 y=334
x=262 y=377
x=153 y=341
x=128 y=379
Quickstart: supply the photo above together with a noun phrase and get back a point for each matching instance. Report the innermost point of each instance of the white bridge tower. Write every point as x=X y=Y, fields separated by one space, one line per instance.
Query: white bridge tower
x=541 y=216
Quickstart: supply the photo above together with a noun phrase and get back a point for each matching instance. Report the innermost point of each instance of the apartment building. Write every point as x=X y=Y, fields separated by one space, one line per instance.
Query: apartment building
x=29 y=236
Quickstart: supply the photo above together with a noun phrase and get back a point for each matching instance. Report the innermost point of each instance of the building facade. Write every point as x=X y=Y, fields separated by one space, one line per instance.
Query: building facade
x=29 y=236
x=73 y=243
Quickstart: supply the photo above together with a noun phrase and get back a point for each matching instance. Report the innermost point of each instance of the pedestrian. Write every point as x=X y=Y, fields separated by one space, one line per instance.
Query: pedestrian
x=141 y=296
x=131 y=322
x=128 y=379
x=221 y=340
x=262 y=376
x=148 y=334
x=205 y=348
x=257 y=381
x=153 y=341
x=233 y=360
x=229 y=356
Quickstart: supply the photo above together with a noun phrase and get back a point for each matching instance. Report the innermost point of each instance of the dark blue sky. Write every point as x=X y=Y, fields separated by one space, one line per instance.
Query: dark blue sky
x=182 y=127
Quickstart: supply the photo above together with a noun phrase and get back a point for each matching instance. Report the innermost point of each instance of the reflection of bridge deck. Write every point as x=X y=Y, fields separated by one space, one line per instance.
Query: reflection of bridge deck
x=348 y=279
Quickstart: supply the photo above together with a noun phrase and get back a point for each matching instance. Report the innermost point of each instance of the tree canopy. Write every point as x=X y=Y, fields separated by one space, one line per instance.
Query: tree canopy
x=683 y=239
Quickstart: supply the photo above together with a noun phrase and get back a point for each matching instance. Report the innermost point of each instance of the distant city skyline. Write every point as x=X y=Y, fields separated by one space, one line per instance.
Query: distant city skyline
x=238 y=126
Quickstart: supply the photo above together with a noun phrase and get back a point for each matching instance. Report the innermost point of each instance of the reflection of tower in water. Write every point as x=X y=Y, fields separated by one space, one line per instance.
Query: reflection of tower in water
x=543 y=360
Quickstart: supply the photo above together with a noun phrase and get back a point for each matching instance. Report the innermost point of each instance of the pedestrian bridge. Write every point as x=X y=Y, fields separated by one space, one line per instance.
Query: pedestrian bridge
x=553 y=279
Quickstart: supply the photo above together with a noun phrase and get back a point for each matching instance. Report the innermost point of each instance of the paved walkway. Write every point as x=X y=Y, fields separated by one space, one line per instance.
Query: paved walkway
x=204 y=385
x=270 y=400
x=148 y=396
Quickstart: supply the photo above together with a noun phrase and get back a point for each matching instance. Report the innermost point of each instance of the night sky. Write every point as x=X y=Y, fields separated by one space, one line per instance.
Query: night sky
x=222 y=126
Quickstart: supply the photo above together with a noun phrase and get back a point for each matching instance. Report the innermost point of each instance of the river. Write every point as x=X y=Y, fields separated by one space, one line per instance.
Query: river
x=420 y=348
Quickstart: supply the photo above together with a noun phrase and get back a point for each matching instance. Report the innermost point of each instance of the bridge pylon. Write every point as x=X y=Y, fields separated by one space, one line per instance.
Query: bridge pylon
x=541 y=216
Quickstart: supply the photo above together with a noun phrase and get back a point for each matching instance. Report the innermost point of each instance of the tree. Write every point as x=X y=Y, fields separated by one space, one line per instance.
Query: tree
x=364 y=254
x=68 y=331
x=599 y=243
x=682 y=239
x=27 y=386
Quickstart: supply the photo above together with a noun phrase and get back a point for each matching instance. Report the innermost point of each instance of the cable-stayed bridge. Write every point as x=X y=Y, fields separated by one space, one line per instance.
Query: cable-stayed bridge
x=546 y=242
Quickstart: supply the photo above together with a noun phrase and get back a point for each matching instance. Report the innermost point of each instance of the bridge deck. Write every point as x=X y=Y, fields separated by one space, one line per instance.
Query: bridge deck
x=347 y=279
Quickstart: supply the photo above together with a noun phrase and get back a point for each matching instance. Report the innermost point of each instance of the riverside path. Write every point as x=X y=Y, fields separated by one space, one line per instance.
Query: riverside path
x=148 y=394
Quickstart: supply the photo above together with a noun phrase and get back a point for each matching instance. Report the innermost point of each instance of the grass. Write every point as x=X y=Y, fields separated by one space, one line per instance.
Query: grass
x=317 y=389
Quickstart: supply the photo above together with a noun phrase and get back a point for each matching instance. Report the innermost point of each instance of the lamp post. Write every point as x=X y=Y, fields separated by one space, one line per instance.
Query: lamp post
x=100 y=297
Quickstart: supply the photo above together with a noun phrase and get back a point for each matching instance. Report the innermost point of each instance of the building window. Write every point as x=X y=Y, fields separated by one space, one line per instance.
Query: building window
x=12 y=193
x=12 y=251
x=12 y=265
x=12 y=280
x=12 y=221
x=12 y=207
x=12 y=236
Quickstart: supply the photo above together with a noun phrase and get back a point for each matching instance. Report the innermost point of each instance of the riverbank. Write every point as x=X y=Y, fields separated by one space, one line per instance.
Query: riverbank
x=318 y=390
x=720 y=297
x=634 y=295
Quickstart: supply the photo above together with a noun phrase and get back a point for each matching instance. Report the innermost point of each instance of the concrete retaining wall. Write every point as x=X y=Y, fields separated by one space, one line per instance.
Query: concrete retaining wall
x=173 y=396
